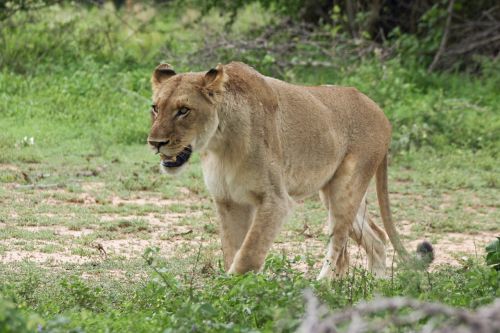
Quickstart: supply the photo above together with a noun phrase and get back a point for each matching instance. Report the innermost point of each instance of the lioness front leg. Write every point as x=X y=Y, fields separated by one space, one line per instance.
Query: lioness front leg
x=269 y=217
x=235 y=220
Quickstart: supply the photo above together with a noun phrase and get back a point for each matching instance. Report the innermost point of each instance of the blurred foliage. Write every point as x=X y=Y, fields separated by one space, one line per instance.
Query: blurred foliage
x=416 y=27
x=272 y=301
x=10 y=7
x=475 y=26
x=90 y=65
x=493 y=254
x=12 y=320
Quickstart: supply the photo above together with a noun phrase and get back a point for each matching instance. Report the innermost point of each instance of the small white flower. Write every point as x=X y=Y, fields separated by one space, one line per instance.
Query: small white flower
x=27 y=141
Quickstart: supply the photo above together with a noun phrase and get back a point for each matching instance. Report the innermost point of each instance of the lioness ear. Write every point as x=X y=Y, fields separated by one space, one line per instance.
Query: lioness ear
x=214 y=80
x=162 y=72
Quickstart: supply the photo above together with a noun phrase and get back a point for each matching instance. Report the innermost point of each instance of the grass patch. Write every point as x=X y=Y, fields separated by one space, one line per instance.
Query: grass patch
x=211 y=302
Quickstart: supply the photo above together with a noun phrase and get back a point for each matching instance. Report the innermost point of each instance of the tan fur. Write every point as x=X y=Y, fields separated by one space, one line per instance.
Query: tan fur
x=264 y=143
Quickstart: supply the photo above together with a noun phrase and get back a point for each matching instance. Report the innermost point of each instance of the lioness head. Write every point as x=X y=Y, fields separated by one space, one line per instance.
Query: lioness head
x=184 y=113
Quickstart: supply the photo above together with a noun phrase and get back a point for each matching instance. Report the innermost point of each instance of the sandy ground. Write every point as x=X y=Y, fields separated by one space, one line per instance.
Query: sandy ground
x=174 y=238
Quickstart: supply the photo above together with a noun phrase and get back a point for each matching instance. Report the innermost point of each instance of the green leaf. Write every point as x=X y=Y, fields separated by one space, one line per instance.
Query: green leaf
x=493 y=246
x=493 y=254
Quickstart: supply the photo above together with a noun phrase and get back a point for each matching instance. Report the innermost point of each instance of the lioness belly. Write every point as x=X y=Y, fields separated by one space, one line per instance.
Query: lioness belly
x=309 y=163
x=313 y=143
x=307 y=180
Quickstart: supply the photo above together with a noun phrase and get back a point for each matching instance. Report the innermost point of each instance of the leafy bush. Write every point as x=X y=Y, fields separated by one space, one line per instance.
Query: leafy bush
x=208 y=300
x=80 y=294
x=13 y=321
x=99 y=78
x=63 y=36
x=493 y=254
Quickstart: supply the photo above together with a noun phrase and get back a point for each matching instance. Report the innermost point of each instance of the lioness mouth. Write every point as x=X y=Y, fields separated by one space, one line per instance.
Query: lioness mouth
x=178 y=160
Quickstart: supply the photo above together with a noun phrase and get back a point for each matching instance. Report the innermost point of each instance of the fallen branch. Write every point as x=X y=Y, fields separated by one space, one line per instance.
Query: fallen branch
x=190 y=231
x=402 y=314
x=39 y=186
x=285 y=45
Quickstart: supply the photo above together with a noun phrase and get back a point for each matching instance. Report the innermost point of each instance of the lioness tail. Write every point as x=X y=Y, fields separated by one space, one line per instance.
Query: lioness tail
x=385 y=210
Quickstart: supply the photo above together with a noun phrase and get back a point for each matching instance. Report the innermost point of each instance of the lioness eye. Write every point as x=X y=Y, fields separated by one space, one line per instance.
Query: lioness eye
x=182 y=111
x=154 y=110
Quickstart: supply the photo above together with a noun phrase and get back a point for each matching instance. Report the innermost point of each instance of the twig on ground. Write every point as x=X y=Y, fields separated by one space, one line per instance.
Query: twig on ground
x=39 y=186
x=190 y=231
x=383 y=313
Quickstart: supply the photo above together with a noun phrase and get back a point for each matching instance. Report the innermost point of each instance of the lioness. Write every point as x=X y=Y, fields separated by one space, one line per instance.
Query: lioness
x=263 y=143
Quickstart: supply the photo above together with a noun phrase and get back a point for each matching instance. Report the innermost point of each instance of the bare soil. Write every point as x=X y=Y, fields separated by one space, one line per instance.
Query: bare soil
x=175 y=238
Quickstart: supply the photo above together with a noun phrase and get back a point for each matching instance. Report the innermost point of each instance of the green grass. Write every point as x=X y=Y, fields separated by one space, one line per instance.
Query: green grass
x=77 y=82
x=210 y=301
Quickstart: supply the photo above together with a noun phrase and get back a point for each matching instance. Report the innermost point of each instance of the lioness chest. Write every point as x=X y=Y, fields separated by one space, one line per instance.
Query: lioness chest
x=226 y=180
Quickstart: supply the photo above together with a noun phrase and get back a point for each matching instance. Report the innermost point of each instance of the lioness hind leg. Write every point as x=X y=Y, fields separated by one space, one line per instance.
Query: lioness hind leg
x=367 y=234
x=343 y=261
x=344 y=193
x=235 y=220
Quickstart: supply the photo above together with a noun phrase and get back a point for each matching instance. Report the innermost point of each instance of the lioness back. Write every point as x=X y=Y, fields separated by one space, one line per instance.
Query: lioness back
x=317 y=125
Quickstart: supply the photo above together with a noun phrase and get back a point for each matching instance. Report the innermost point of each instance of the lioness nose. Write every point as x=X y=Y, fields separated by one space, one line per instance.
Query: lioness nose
x=158 y=144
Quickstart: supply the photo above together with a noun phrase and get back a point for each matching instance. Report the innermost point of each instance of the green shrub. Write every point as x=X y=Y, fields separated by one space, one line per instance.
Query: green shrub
x=78 y=68
x=12 y=320
x=80 y=294
x=493 y=254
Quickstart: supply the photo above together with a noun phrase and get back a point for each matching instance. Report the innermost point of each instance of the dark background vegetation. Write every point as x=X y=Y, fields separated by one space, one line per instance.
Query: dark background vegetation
x=74 y=77
x=400 y=49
